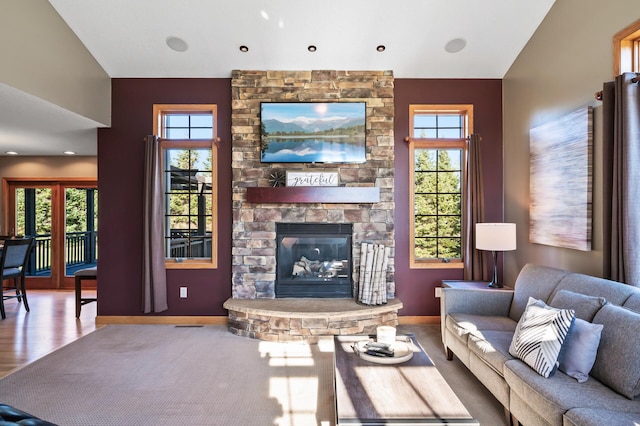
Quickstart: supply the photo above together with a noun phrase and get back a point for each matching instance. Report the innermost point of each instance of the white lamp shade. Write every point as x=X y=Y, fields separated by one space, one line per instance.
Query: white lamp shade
x=496 y=236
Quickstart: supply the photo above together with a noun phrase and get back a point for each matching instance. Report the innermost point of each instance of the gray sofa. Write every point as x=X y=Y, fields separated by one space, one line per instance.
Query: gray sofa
x=478 y=327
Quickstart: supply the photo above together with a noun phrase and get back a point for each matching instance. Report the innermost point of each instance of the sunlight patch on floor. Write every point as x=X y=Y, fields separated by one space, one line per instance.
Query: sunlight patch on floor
x=287 y=354
x=298 y=398
x=294 y=382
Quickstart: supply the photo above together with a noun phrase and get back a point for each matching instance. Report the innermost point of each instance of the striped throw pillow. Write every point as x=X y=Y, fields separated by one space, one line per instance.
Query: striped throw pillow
x=540 y=334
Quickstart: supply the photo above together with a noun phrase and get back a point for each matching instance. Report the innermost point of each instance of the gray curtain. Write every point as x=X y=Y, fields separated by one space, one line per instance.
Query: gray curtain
x=474 y=266
x=154 y=279
x=621 y=156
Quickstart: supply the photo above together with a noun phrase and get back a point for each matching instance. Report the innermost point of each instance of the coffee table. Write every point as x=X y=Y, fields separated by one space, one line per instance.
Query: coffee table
x=408 y=393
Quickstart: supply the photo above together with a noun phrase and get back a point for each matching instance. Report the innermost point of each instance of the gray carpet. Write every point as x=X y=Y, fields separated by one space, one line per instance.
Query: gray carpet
x=167 y=375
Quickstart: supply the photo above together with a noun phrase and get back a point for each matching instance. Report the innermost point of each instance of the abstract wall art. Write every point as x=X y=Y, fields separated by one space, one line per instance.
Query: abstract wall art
x=561 y=171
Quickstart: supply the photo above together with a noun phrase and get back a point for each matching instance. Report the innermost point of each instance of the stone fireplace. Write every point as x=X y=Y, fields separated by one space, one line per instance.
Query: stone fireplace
x=256 y=217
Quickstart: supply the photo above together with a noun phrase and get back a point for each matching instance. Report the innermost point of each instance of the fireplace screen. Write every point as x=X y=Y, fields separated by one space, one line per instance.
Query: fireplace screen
x=313 y=260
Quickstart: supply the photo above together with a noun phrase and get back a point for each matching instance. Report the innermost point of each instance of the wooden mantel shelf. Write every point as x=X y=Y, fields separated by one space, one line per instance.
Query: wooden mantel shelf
x=314 y=194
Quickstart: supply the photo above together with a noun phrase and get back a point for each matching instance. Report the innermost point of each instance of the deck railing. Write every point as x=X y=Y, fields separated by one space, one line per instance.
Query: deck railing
x=80 y=249
x=189 y=244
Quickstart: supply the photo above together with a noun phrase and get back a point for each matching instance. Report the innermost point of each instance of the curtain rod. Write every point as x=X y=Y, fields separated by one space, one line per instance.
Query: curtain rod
x=408 y=139
x=598 y=95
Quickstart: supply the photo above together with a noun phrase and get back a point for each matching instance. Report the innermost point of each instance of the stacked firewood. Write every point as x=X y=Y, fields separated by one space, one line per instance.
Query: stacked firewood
x=372 y=285
x=314 y=268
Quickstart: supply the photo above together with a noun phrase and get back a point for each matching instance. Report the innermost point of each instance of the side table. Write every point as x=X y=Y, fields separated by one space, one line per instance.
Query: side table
x=472 y=285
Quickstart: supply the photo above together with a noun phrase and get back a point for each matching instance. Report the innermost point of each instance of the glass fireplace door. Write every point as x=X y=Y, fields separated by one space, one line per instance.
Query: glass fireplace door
x=313 y=261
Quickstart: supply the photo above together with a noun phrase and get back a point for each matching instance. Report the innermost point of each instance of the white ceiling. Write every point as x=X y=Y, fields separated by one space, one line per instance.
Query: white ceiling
x=128 y=39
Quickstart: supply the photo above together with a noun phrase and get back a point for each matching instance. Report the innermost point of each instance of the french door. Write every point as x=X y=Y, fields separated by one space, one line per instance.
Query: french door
x=62 y=216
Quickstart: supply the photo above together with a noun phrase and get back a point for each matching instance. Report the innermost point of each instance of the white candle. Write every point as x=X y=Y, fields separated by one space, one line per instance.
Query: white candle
x=386 y=334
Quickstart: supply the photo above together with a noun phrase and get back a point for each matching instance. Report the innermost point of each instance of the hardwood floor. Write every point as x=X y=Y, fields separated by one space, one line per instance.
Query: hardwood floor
x=51 y=324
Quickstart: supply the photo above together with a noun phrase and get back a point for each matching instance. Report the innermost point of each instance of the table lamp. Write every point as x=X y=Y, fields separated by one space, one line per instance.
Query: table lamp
x=495 y=237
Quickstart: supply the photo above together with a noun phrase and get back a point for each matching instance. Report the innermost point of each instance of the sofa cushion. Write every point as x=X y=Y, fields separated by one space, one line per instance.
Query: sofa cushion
x=618 y=361
x=599 y=417
x=581 y=348
x=469 y=322
x=585 y=306
x=459 y=326
x=540 y=334
x=492 y=347
x=551 y=398
x=633 y=302
x=615 y=292
x=534 y=281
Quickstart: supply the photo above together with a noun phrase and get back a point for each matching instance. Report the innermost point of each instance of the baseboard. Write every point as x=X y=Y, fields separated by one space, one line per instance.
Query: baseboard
x=166 y=320
x=413 y=320
x=221 y=320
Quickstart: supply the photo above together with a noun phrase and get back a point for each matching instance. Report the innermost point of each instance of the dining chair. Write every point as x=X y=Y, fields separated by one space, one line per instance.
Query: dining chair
x=13 y=262
x=81 y=276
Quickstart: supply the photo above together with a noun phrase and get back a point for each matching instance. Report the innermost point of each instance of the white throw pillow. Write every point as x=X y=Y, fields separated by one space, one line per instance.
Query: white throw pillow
x=540 y=335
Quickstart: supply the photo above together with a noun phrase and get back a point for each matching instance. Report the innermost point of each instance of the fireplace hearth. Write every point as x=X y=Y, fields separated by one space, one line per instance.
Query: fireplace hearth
x=314 y=260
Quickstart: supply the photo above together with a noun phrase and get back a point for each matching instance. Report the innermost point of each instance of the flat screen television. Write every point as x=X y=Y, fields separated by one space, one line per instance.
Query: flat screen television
x=312 y=132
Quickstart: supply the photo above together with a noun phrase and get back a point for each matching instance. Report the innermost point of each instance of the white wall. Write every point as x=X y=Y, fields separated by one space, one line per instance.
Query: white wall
x=40 y=55
x=559 y=71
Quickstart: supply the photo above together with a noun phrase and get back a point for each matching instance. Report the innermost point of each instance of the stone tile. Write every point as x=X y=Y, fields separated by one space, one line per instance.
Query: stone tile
x=315 y=323
x=316 y=215
x=267 y=215
x=279 y=323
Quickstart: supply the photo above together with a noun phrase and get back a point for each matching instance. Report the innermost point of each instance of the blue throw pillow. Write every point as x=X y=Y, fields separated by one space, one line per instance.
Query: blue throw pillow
x=581 y=348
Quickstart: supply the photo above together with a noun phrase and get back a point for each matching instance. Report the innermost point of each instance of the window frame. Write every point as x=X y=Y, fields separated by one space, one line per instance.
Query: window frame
x=159 y=111
x=626 y=49
x=442 y=143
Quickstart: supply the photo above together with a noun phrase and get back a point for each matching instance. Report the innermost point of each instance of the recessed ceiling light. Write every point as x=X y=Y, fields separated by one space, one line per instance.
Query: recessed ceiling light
x=244 y=48
x=455 y=45
x=177 y=44
x=312 y=48
x=380 y=48
x=11 y=153
x=69 y=153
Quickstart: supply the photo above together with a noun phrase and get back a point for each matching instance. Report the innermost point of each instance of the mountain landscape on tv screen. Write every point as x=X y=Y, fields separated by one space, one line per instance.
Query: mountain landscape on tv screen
x=313 y=132
x=310 y=125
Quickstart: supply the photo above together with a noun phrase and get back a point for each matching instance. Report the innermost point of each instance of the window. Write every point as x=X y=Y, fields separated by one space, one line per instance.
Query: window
x=626 y=50
x=437 y=157
x=188 y=135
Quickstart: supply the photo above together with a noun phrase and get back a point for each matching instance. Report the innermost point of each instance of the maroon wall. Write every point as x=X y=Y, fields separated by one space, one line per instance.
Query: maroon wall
x=120 y=164
x=416 y=287
x=120 y=173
